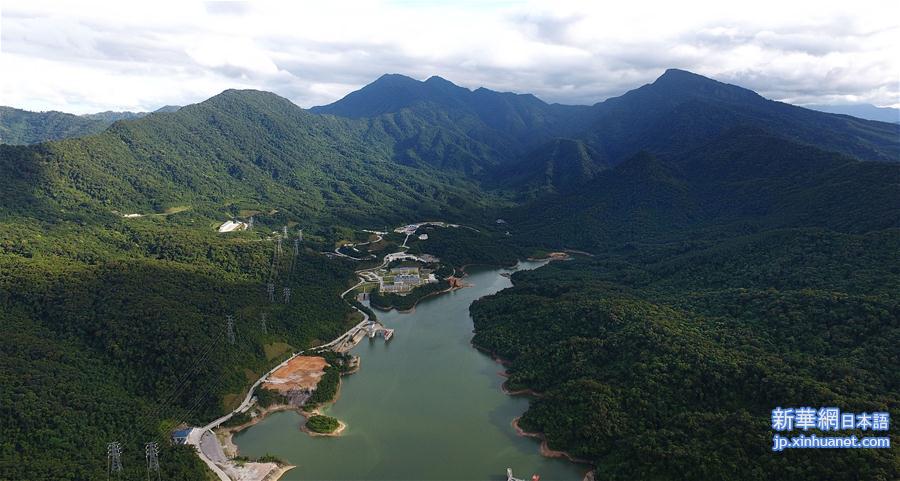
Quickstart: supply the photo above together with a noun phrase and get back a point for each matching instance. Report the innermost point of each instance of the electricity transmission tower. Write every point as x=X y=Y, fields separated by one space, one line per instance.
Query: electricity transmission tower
x=300 y=235
x=262 y=322
x=287 y=294
x=250 y=223
x=114 y=459
x=229 y=328
x=285 y=231
x=296 y=253
x=278 y=247
x=270 y=288
x=152 y=452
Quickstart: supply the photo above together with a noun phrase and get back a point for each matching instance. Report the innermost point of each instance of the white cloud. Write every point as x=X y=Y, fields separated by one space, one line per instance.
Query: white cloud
x=84 y=57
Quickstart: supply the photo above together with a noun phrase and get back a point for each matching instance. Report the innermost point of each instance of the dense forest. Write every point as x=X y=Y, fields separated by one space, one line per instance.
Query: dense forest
x=124 y=324
x=667 y=367
x=749 y=273
x=23 y=127
x=739 y=256
x=464 y=246
x=242 y=151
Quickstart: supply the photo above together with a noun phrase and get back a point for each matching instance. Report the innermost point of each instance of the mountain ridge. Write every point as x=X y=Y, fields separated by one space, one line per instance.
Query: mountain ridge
x=715 y=223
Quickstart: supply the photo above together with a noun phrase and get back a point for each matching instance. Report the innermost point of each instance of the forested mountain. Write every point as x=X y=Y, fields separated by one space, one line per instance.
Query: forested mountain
x=23 y=127
x=665 y=361
x=115 y=330
x=493 y=128
x=246 y=149
x=746 y=179
x=561 y=166
x=505 y=139
x=682 y=110
x=747 y=273
x=745 y=256
x=517 y=116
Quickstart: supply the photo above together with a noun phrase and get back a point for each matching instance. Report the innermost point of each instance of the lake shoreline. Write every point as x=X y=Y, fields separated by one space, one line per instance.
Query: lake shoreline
x=545 y=451
x=413 y=308
x=226 y=435
x=548 y=452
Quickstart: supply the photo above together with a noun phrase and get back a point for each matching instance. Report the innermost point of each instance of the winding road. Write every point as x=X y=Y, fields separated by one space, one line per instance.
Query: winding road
x=202 y=437
x=198 y=435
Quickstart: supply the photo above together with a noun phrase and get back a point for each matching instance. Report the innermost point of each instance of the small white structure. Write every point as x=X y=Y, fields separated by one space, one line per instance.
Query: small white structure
x=423 y=237
x=232 y=225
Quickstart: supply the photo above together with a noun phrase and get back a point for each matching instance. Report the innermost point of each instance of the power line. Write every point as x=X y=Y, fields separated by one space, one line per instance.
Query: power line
x=200 y=397
x=144 y=423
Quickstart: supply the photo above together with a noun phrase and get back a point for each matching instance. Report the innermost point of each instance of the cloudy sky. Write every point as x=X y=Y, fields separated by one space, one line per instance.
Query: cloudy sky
x=86 y=57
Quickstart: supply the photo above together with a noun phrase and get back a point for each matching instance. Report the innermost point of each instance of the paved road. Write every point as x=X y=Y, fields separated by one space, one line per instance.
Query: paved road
x=338 y=252
x=211 y=448
x=208 y=447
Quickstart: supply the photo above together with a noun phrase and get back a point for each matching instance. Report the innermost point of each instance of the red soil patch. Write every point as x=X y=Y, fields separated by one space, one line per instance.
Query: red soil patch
x=301 y=372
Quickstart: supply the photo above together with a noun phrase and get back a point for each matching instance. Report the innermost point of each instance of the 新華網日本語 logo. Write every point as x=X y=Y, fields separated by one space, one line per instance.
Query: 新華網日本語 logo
x=828 y=419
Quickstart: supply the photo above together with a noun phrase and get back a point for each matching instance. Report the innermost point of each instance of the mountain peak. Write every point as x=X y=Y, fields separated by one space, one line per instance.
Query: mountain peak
x=674 y=76
x=394 y=92
x=393 y=79
x=677 y=83
x=675 y=73
x=443 y=85
x=242 y=102
x=435 y=79
x=245 y=96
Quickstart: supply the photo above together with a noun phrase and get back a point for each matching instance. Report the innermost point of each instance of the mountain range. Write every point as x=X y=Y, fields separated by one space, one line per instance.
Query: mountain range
x=677 y=112
x=737 y=253
x=20 y=127
x=231 y=145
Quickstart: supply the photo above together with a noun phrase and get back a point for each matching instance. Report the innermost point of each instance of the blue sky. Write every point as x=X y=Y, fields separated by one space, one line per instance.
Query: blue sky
x=85 y=56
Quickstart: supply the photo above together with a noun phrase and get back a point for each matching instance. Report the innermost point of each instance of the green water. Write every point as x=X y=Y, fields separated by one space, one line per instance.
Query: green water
x=425 y=406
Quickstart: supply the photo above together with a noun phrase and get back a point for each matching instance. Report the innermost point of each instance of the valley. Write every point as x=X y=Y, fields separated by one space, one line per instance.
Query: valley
x=428 y=385
x=156 y=272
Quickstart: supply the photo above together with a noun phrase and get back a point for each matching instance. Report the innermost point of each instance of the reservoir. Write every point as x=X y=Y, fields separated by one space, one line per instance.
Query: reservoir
x=425 y=406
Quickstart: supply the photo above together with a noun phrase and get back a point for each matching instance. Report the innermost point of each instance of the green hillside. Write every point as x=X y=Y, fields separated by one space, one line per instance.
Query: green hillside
x=560 y=166
x=116 y=331
x=19 y=127
x=239 y=150
x=744 y=181
x=750 y=273
x=745 y=255
x=665 y=362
